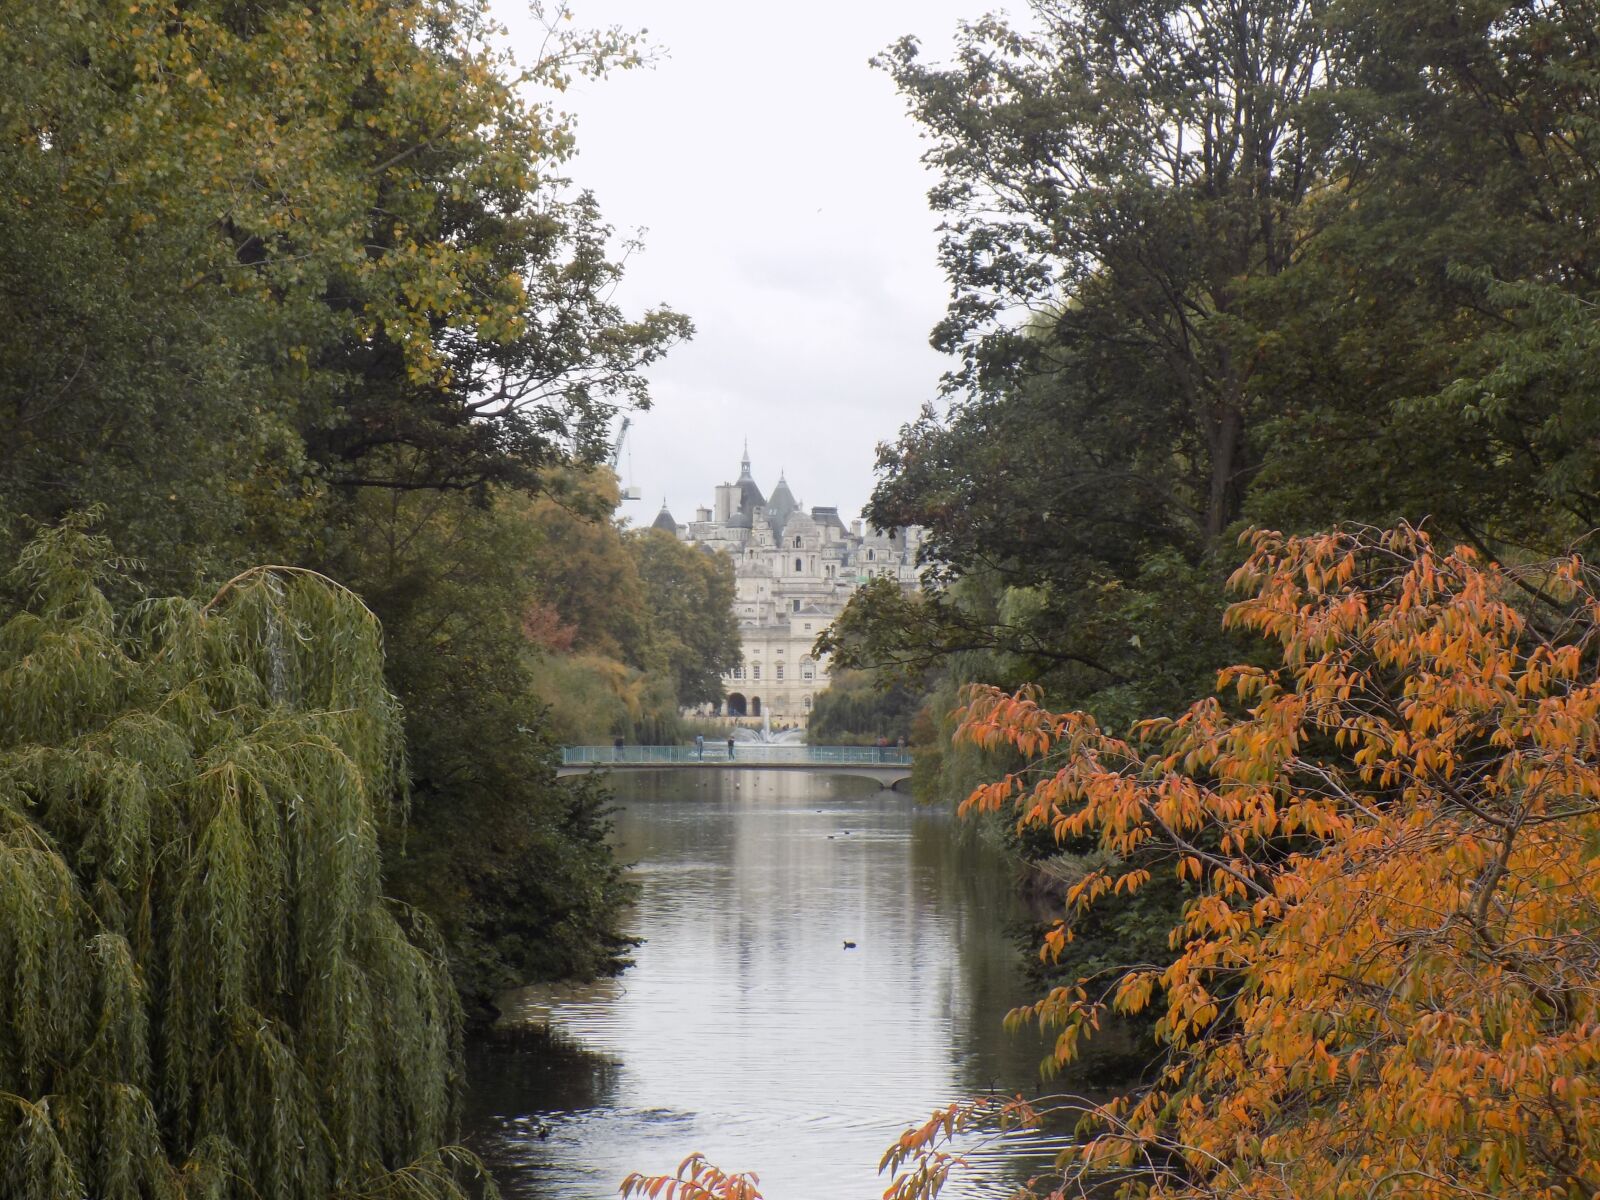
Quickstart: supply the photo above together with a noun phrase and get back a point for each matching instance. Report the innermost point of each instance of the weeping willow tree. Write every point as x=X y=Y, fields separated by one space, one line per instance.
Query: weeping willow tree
x=204 y=993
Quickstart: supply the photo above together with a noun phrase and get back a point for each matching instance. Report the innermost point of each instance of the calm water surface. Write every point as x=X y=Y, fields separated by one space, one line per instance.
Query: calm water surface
x=747 y=1030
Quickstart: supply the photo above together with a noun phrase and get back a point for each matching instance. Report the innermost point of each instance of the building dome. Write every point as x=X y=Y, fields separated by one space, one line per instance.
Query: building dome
x=664 y=521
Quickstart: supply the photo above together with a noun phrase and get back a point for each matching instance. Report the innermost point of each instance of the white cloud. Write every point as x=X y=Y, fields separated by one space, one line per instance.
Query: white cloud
x=777 y=176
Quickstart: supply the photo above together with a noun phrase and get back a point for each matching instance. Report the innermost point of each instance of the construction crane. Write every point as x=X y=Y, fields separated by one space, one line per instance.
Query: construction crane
x=629 y=492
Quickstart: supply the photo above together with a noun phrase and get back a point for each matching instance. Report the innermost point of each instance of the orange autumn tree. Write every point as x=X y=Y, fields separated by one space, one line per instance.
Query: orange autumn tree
x=1387 y=983
x=696 y=1179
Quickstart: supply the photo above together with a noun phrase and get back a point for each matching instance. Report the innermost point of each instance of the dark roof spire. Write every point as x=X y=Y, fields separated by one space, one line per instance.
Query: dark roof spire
x=781 y=507
x=750 y=497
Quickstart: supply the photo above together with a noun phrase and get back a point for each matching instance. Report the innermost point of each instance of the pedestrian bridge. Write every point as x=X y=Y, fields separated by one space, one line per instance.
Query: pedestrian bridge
x=885 y=765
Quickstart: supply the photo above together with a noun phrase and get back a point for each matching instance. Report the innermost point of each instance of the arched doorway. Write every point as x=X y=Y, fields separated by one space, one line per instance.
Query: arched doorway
x=755 y=706
x=736 y=704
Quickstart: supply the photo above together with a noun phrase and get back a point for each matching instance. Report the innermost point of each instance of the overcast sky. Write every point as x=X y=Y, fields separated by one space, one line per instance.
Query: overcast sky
x=777 y=178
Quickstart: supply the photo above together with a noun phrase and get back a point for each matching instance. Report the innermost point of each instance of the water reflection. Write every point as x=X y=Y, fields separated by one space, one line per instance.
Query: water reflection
x=748 y=1030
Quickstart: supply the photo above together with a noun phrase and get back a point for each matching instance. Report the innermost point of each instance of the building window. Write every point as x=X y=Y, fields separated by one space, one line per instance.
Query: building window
x=870 y=553
x=799 y=564
x=797 y=609
x=738 y=672
x=807 y=627
x=807 y=703
x=808 y=669
x=755 y=671
x=797 y=543
x=780 y=671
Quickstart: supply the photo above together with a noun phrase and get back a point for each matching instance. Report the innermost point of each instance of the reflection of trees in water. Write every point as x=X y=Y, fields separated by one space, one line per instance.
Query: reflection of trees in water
x=758 y=875
x=505 y=1068
x=975 y=887
x=969 y=886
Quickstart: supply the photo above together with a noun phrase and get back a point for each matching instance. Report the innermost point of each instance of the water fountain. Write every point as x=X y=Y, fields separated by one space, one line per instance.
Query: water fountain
x=765 y=737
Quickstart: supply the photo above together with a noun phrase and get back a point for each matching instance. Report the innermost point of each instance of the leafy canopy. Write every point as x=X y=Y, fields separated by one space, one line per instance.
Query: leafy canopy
x=512 y=867
x=1113 y=185
x=690 y=596
x=1277 y=262
x=206 y=993
x=1385 y=984
x=306 y=283
x=255 y=250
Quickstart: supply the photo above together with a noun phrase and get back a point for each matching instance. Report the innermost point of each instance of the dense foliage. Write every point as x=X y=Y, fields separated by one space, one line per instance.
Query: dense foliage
x=511 y=866
x=1215 y=264
x=633 y=624
x=307 y=285
x=856 y=710
x=262 y=257
x=205 y=993
x=689 y=591
x=1385 y=979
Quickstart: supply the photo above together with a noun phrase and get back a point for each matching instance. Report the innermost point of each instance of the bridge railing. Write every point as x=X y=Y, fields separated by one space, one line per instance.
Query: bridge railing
x=746 y=752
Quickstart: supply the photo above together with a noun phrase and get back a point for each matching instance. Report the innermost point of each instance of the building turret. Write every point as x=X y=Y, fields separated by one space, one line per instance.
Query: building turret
x=750 y=497
x=780 y=507
x=664 y=520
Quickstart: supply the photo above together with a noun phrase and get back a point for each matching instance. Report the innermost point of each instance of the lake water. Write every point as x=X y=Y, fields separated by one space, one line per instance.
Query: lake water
x=747 y=1030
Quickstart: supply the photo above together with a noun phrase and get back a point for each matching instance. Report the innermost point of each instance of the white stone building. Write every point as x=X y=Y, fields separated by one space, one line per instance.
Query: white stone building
x=794 y=571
